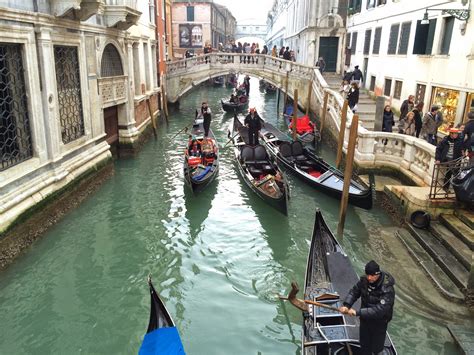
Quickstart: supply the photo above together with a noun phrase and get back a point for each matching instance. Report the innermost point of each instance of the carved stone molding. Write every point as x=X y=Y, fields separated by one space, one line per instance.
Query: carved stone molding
x=79 y=10
x=121 y=16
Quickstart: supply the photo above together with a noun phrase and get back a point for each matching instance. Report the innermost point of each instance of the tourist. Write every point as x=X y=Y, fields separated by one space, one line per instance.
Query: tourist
x=274 y=51
x=254 y=125
x=321 y=64
x=409 y=124
x=344 y=88
x=418 y=112
x=377 y=294
x=286 y=54
x=194 y=146
x=407 y=106
x=265 y=50
x=450 y=148
x=233 y=99
x=247 y=85
x=357 y=76
x=429 y=127
x=468 y=133
x=282 y=51
x=387 y=121
x=353 y=97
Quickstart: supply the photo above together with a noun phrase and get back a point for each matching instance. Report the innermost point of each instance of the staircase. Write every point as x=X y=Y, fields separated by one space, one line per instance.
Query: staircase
x=444 y=251
x=366 y=105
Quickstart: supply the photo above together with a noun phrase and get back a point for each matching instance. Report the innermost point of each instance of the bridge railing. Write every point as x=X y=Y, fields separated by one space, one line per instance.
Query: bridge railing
x=413 y=156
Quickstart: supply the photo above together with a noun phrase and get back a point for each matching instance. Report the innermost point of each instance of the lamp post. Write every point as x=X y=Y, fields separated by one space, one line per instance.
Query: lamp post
x=460 y=14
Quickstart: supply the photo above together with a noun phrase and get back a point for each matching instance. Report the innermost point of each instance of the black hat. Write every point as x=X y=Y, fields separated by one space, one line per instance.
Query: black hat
x=372 y=268
x=356 y=67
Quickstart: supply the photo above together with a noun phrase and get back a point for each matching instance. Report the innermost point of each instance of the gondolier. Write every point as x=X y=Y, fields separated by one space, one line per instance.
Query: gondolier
x=377 y=295
x=253 y=123
x=206 y=115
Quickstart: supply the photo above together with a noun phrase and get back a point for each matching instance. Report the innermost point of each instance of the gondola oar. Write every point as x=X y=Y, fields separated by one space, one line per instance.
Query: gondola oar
x=302 y=304
x=185 y=128
x=230 y=140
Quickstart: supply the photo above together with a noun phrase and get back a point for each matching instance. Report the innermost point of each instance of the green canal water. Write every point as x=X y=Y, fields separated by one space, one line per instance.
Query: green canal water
x=217 y=259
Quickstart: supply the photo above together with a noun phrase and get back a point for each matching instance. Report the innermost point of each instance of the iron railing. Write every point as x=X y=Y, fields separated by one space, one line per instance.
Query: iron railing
x=15 y=134
x=441 y=179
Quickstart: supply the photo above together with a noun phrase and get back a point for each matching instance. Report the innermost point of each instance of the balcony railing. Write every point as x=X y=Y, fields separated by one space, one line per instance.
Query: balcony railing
x=113 y=90
x=121 y=14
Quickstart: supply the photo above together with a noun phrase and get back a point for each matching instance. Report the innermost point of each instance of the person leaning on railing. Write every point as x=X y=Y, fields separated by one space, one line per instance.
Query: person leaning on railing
x=449 y=149
x=468 y=133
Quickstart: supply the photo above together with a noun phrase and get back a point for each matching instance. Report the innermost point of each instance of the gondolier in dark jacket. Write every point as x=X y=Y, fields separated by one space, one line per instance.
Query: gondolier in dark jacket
x=377 y=294
x=254 y=125
x=206 y=115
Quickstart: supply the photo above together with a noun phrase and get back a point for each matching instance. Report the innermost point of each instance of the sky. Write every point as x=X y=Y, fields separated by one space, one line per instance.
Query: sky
x=248 y=10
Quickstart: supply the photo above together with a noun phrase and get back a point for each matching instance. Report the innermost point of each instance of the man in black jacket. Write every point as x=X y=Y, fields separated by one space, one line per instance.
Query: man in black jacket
x=252 y=122
x=377 y=298
x=357 y=75
x=468 y=134
x=450 y=148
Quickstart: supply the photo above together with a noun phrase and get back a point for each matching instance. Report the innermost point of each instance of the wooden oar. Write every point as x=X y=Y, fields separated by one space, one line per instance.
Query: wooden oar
x=302 y=304
x=185 y=128
x=230 y=140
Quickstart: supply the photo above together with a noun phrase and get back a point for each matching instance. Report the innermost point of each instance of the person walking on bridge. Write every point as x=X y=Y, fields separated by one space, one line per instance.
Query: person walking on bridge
x=377 y=294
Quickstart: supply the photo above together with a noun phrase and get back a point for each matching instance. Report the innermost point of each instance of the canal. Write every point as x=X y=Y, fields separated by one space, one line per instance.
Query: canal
x=218 y=260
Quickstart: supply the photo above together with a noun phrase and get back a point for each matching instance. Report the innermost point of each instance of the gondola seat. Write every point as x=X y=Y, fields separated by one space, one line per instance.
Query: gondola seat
x=247 y=155
x=254 y=171
x=285 y=151
x=297 y=151
x=260 y=154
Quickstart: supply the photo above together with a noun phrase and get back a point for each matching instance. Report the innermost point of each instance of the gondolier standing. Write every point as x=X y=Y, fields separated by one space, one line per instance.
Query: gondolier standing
x=252 y=122
x=377 y=295
x=206 y=115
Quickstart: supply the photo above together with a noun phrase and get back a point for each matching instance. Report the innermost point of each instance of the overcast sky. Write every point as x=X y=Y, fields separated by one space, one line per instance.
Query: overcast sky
x=248 y=10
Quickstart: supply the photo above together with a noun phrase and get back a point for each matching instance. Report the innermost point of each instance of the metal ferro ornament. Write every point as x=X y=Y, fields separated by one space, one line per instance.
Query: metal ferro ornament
x=462 y=15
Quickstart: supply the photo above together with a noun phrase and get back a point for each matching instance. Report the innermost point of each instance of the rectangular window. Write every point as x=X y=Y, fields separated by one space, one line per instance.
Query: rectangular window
x=377 y=36
x=420 y=93
x=354 y=6
x=387 y=87
x=381 y=2
x=372 y=83
x=397 y=92
x=404 y=38
x=151 y=8
x=354 y=43
x=147 y=66
x=370 y=4
x=348 y=40
x=68 y=81
x=424 y=37
x=368 y=35
x=190 y=13
x=447 y=34
x=393 y=40
x=15 y=134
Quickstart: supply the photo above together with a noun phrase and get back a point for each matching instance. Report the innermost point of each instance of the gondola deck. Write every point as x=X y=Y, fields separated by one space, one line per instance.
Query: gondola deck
x=311 y=168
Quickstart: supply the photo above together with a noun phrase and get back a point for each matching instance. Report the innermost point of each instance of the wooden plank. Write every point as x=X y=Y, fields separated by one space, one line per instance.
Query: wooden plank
x=295 y=113
x=342 y=131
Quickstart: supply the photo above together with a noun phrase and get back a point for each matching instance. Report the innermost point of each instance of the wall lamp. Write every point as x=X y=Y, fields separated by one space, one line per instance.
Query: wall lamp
x=460 y=14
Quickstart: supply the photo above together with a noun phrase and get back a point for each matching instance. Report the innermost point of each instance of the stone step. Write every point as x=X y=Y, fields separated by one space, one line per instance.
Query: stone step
x=442 y=256
x=463 y=335
x=434 y=272
x=458 y=228
x=365 y=108
x=456 y=246
x=466 y=216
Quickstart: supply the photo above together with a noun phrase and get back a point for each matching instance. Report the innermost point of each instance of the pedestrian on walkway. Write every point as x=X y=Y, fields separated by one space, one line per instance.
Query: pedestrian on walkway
x=450 y=148
x=468 y=133
x=418 y=114
x=353 y=97
x=357 y=76
x=377 y=293
x=286 y=54
x=408 y=125
x=274 y=51
x=321 y=64
x=387 y=121
x=407 y=106
x=429 y=127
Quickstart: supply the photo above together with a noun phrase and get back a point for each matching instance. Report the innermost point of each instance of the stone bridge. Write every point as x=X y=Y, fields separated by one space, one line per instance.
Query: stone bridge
x=376 y=151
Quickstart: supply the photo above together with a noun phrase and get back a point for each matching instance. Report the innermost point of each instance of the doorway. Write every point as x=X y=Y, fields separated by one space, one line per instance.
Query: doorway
x=111 y=125
x=328 y=49
x=366 y=65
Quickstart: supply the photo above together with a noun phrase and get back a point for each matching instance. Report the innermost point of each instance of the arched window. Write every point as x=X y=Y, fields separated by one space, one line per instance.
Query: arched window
x=111 y=62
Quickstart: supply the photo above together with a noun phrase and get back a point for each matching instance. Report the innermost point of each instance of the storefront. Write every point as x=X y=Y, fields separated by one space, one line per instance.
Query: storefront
x=469 y=105
x=447 y=100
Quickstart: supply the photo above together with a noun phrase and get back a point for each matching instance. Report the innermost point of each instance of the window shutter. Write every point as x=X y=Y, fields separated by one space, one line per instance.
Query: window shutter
x=354 y=43
x=377 y=36
x=348 y=40
x=368 y=35
x=393 y=40
x=404 y=38
x=421 y=37
x=431 y=33
x=448 y=32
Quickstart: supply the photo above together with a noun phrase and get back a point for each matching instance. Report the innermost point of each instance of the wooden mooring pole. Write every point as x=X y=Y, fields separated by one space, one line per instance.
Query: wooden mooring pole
x=342 y=131
x=310 y=89
x=278 y=103
x=325 y=111
x=286 y=91
x=348 y=174
x=295 y=113
x=152 y=116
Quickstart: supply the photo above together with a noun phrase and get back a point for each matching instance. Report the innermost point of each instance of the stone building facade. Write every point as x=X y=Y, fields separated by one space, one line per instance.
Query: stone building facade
x=76 y=77
x=311 y=28
x=415 y=48
x=198 y=23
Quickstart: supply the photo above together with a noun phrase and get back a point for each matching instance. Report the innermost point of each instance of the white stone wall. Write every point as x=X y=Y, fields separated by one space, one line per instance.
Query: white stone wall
x=454 y=70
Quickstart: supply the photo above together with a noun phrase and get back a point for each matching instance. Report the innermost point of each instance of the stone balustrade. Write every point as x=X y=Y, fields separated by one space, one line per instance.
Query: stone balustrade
x=112 y=90
x=409 y=155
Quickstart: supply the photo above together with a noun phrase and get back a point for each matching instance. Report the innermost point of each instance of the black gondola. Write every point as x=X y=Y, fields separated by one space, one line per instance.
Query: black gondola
x=270 y=89
x=228 y=106
x=311 y=168
x=257 y=169
x=329 y=276
x=201 y=166
x=218 y=81
x=161 y=337
x=306 y=131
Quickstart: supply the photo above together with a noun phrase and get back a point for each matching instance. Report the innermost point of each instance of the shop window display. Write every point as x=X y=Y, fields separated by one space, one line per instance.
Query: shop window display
x=447 y=100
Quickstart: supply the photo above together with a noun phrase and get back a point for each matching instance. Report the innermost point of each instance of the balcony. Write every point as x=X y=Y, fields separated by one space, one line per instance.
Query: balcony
x=113 y=90
x=121 y=14
x=79 y=10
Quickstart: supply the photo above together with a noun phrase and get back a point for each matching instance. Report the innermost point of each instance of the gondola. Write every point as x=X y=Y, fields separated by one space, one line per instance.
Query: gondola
x=161 y=337
x=329 y=276
x=201 y=166
x=257 y=169
x=218 y=81
x=311 y=168
x=228 y=106
x=270 y=89
x=306 y=131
